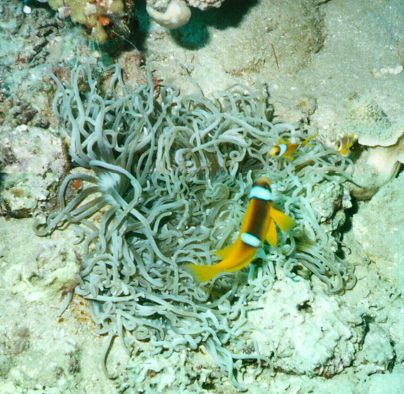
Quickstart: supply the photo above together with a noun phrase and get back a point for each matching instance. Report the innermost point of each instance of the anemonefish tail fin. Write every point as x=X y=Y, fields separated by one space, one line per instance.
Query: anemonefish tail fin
x=272 y=236
x=202 y=273
x=283 y=221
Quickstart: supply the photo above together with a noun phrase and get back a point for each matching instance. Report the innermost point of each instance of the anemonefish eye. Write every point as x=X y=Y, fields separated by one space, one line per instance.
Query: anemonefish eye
x=275 y=151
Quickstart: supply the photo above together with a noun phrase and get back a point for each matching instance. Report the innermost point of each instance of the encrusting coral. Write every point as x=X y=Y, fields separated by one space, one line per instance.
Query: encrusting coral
x=97 y=15
x=166 y=182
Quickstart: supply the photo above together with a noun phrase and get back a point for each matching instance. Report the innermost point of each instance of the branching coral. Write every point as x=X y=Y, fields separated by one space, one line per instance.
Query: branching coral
x=168 y=182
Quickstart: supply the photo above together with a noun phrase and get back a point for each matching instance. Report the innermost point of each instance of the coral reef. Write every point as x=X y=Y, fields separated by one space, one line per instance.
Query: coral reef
x=166 y=182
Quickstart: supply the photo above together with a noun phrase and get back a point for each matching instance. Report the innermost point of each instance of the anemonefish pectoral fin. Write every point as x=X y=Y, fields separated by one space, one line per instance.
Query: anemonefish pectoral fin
x=203 y=273
x=242 y=264
x=289 y=156
x=222 y=253
x=271 y=236
x=283 y=221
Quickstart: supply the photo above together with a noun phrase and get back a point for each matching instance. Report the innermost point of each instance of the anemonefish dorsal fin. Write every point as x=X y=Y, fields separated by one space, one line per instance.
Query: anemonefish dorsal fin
x=271 y=236
x=203 y=273
x=222 y=253
x=283 y=221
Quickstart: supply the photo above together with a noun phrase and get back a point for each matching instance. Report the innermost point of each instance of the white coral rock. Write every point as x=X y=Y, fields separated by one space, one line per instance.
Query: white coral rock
x=204 y=4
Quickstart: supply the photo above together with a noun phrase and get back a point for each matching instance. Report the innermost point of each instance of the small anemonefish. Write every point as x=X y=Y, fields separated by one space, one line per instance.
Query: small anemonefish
x=258 y=225
x=285 y=148
x=344 y=143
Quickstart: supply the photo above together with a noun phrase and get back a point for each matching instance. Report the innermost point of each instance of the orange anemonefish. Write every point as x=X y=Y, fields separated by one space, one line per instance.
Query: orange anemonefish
x=258 y=225
x=285 y=148
x=344 y=143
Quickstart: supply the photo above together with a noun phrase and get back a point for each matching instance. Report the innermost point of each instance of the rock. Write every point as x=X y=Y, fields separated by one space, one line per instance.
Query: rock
x=329 y=200
x=304 y=331
x=391 y=383
x=377 y=352
x=382 y=142
x=44 y=266
x=378 y=227
x=374 y=167
x=372 y=125
x=33 y=162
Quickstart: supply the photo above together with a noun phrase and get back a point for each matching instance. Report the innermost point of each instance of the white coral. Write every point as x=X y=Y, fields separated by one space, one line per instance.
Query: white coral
x=177 y=14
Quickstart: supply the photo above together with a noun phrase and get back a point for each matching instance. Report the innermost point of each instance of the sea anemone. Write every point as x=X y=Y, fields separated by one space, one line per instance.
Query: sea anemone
x=166 y=183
